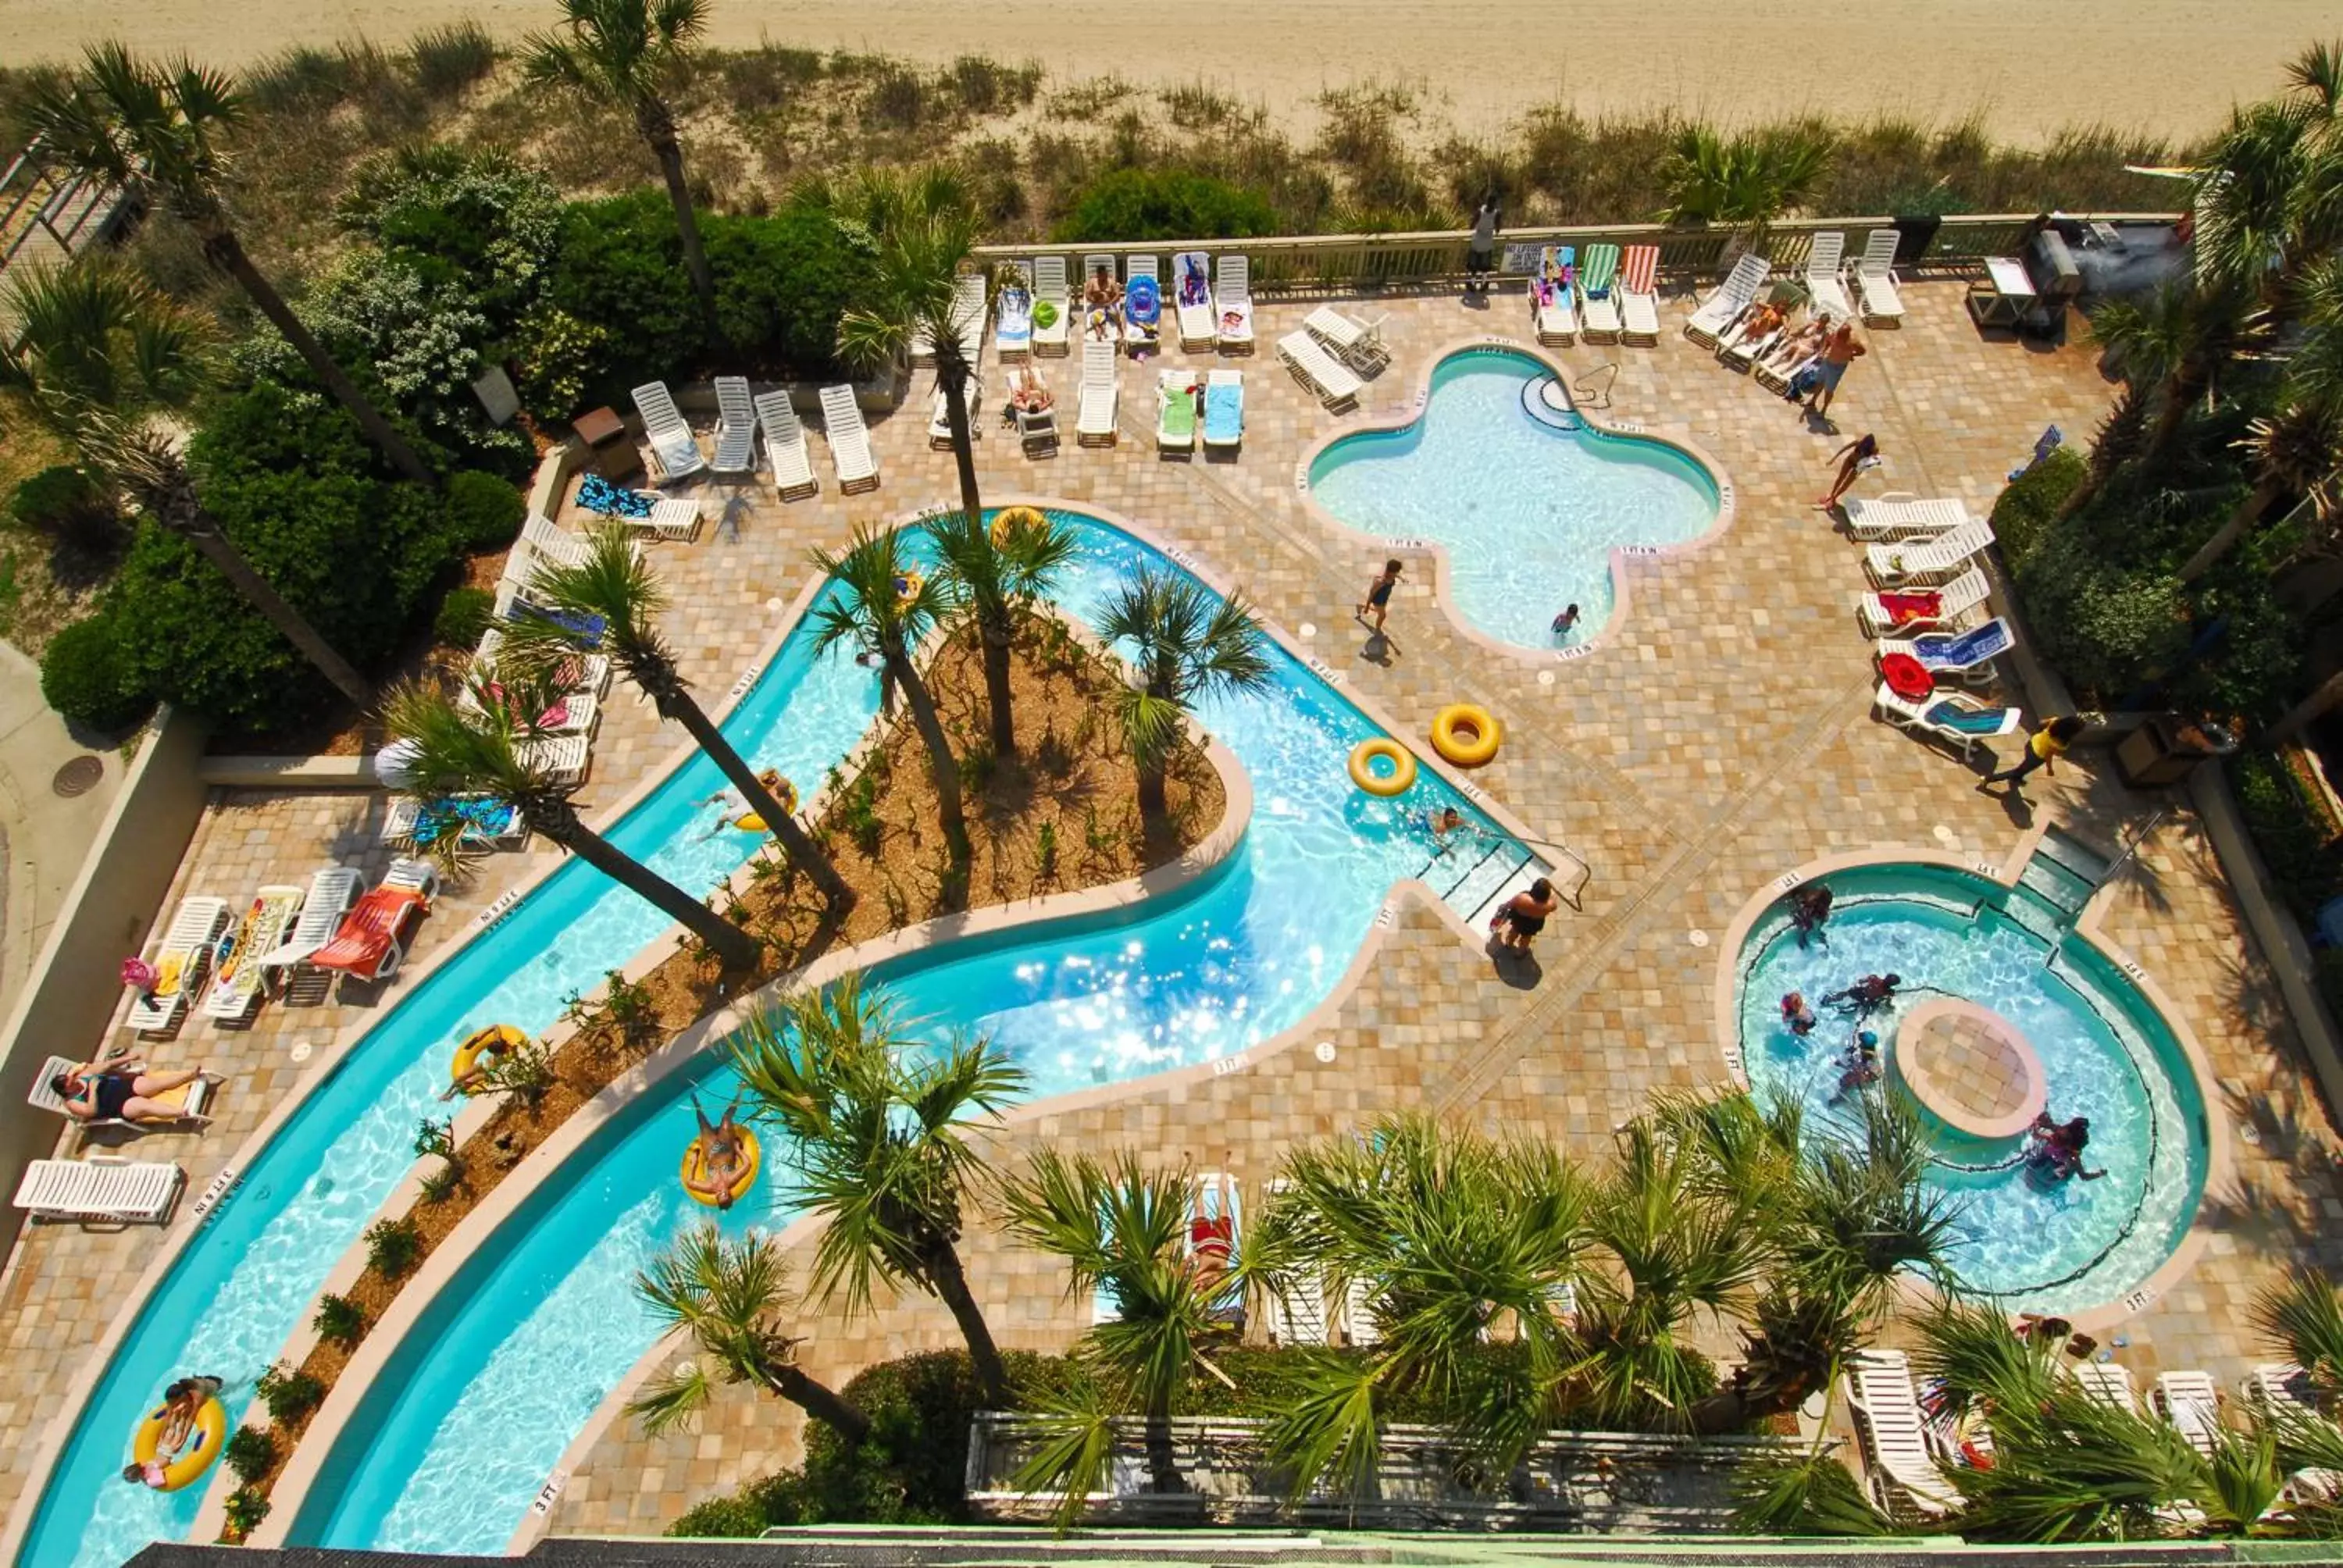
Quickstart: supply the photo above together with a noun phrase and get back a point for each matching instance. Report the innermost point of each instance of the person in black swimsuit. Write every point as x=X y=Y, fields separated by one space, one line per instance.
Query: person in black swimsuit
x=1524 y=914
x=1379 y=594
x=121 y=1092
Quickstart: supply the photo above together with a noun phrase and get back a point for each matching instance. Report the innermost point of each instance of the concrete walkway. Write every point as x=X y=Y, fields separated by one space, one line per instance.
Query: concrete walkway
x=43 y=834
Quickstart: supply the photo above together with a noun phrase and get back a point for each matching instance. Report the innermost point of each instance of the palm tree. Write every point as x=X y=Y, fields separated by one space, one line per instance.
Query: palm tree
x=1745 y=181
x=887 y=606
x=997 y=579
x=2303 y=1314
x=877 y=1133
x=611 y=586
x=620 y=54
x=491 y=746
x=2294 y=451
x=1188 y=645
x=155 y=133
x=98 y=353
x=733 y=1298
x=2173 y=341
x=1121 y=1231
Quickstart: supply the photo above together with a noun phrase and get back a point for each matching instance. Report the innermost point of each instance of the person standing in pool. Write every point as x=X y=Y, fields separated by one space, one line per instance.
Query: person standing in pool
x=1378 y=592
x=1797 y=1014
x=1567 y=621
x=1810 y=908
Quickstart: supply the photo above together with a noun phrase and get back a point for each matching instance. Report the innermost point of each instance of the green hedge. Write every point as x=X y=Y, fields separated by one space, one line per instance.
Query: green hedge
x=2031 y=501
x=88 y=677
x=1166 y=204
x=2305 y=864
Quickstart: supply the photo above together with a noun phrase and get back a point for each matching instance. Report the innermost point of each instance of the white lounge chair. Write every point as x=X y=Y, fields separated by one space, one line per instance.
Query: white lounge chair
x=1733 y=297
x=1224 y=409
x=1967 y=655
x=1916 y=565
x=1905 y=1481
x=1825 y=293
x=1739 y=344
x=563 y=759
x=1948 y=716
x=969 y=299
x=332 y=890
x=100 y=1188
x=481 y=820
x=2191 y=1402
x=1037 y=428
x=1012 y=312
x=2107 y=1383
x=1553 y=296
x=1298 y=1316
x=1141 y=327
x=849 y=440
x=1360 y=1328
x=1639 y=296
x=1357 y=343
x=785 y=447
x=1191 y=296
x=940 y=416
x=675 y=517
x=674 y=454
x=1954 y=602
x=1875 y=280
x=1232 y=296
x=1094 y=425
x=189 y=1102
x=1175 y=411
x=236 y=968
x=1901 y=515
x=1051 y=327
x=736 y=426
x=181 y=962
x=1334 y=383
x=2284 y=1395
x=1111 y=330
x=1598 y=294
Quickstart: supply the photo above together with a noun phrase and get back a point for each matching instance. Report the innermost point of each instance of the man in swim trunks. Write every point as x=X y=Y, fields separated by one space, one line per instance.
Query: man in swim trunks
x=1102 y=299
x=1378 y=592
x=1839 y=350
x=723 y=1157
x=121 y=1092
x=1524 y=915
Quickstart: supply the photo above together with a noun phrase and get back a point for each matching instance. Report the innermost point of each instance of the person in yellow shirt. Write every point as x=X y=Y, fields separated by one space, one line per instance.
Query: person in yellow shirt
x=2043 y=748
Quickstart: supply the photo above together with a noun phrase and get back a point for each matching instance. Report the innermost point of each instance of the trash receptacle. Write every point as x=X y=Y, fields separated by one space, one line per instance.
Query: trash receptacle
x=1914 y=236
x=2164 y=750
x=605 y=435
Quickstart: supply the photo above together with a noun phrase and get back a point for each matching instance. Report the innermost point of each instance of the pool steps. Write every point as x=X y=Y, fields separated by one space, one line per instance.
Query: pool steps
x=1547 y=401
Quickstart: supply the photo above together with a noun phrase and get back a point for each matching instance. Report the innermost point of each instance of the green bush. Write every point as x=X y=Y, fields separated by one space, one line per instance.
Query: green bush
x=91 y=679
x=737 y=1517
x=289 y=1393
x=464 y=617
x=2109 y=627
x=340 y=1319
x=70 y=507
x=480 y=219
x=2305 y=863
x=781 y=284
x=484 y=512
x=2031 y=501
x=251 y=1451
x=618 y=261
x=393 y=1247
x=1137 y=204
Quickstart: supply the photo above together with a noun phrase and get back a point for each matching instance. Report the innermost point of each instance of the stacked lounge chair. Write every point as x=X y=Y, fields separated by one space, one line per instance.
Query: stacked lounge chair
x=1639 y=296
x=673 y=453
x=969 y=299
x=1051 y=326
x=1918 y=564
x=1875 y=280
x=849 y=440
x=1334 y=383
x=1143 y=303
x=1904 y=1483
x=1734 y=296
x=1223 y=411
x=1946 y=716
x=1825 y=293
x=1357 y=343
x=1892 y=613
x=1232 y=297
x=236 y=970
x=2191 y=1402
x=333 y=890
x=1012 y=312
x=181 y=962
x=1192 y=295
x=1551 y=296
x=1598 y=296
x=1094 y=424
x=939 y=416
x=736 y=426
x=102 y=1188
x=371 y=943
x=785 y=446
x=1967 y=655
x=1175 y=411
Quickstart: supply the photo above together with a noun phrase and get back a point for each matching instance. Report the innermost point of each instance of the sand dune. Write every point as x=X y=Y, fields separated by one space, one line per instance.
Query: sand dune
x=2032 y=66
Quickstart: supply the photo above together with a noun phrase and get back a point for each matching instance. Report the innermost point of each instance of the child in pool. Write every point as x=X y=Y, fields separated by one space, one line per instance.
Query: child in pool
x=1797 y=1014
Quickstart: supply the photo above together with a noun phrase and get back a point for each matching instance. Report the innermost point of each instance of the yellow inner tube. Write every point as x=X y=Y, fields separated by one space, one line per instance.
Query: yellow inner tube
x=907 y=584
x=1009 y=519
x=1465 y=734
x=694 y=1168
x=201 y=1450
x=1398 y=781
x=493 y=1040
x=783 y=791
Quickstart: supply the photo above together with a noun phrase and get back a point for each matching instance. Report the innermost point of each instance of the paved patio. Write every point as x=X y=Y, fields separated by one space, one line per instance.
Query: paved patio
x=1719 y=737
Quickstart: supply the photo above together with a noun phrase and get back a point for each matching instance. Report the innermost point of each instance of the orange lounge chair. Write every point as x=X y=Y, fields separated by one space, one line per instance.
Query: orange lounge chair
x=372 y=941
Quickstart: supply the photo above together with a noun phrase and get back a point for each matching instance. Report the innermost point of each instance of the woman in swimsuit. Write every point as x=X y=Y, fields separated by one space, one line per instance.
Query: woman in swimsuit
x=1524 y=915
x=121 y=1092
x=723 y=1157
x=1378 y=592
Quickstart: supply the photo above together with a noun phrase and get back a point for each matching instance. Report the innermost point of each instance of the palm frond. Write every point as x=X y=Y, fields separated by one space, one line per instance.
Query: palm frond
x=1331 y=1435
x=1814 y=1494
x=2303 y=1314
x=673 y=1400
x=1074 y=1455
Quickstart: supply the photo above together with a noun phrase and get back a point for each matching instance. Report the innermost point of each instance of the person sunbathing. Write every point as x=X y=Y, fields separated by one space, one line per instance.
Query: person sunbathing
x=723 y=1157
x=1796 y=347
x=1760 y=324
x=121 y=1092
x=1031 y=397
x=1103 y=299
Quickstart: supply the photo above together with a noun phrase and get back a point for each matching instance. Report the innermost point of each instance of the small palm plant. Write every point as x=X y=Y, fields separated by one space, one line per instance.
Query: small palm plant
x=156 y=132
x=997 y=580
x=2303 y=1314
x=491 y=746
x=612 y=588
x=99 y=354
x=1187 y=646
x=878 y=1130
x=1121 y=1231
x=733 y=1298
x=1745 y=182
x=887 y=606
x=621 y=53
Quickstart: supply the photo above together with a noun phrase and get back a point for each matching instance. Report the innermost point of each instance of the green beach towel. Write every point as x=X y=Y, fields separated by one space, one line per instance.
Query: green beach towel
x=1602 y=266
x=1177 y=412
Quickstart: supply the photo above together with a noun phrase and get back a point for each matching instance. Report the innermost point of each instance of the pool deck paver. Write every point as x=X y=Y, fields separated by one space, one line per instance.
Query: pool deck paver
x=1718 y=738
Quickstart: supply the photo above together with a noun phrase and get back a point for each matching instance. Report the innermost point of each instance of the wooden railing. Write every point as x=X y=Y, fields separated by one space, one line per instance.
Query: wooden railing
x=1344 y=261
x=36 y=204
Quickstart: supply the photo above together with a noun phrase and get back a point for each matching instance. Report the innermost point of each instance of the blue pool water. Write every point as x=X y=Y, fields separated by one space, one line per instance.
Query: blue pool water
x=1529 y=513
x=237 y=1289
x=2105 y=1049
x=446 y=1455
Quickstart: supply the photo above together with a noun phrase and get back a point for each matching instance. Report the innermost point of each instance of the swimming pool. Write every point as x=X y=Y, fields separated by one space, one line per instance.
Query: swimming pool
x=1528 y=512
x=2104 y=1050
x=454 y=1440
